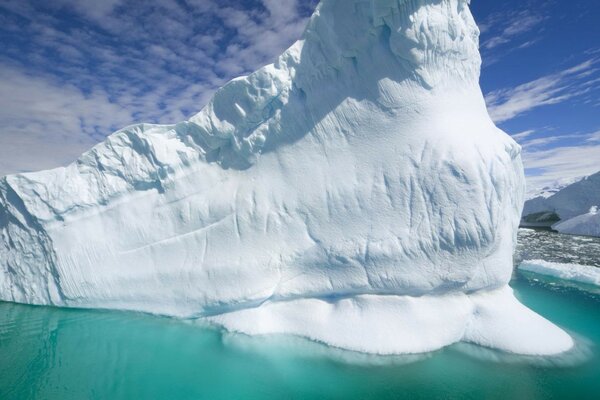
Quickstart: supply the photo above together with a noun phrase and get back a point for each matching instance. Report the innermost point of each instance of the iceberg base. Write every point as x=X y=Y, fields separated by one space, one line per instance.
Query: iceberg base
x=389 y=324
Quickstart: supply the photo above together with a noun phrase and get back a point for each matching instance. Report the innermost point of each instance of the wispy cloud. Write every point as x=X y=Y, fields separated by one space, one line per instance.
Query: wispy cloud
x=594 y=137
x=522 y=135
x=506 y=104
x=511 y=26
x=576 y=155
x=544 y=167
x=507 y=31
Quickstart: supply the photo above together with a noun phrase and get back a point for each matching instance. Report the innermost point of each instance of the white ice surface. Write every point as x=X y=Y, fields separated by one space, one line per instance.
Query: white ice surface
x=361 y=163
x=405 y=324
x=570 y=272
x=586 y=224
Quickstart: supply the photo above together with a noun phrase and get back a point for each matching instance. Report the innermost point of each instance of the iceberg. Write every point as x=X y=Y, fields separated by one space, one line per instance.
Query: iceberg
x=354 y=192
x=585 y=224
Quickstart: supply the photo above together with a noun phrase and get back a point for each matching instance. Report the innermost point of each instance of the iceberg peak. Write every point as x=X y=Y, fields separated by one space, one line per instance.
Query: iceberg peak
x=431 y=41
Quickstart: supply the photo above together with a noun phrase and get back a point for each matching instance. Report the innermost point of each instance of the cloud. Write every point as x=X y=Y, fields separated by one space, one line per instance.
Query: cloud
x=93 y=9
x=506 y=104
x=507 y=31
x=72 y=71
x=546 y=163
x=512 y=25
x=547 y=166
x=594 y=137
x=45 y=124
x=552 y=158
x=544 y=141
x=522 y=135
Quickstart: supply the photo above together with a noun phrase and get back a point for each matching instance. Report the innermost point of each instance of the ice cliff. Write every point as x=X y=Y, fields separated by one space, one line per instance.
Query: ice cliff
x=354 y=192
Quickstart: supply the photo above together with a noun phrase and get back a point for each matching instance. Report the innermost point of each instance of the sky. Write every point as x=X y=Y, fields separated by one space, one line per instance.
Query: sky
x=74 y=71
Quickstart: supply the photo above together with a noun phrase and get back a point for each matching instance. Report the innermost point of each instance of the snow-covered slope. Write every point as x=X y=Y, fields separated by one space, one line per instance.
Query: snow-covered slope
x=573 y=204
x=354 y=192
x=585 y=224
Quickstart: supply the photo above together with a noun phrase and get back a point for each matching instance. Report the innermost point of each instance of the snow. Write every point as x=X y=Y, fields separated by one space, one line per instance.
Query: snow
x=357 y=182
x=570 y=272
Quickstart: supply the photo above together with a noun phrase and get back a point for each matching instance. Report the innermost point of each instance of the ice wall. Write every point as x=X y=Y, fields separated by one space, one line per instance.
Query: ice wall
x=359 y=177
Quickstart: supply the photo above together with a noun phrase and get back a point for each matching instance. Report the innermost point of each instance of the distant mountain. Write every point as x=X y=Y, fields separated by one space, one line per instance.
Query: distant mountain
x=552 y=189
x=571 y=209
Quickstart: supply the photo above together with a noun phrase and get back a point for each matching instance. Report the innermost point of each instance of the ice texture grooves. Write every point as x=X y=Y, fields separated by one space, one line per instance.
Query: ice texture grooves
x=360 y=171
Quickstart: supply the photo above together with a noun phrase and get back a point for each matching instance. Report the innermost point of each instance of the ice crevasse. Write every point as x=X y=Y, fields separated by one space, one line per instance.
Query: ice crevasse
x=353 y=192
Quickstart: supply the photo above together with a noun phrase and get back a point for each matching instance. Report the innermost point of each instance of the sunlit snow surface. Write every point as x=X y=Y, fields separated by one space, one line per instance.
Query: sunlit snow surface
x=354 y=188
x=585 y=224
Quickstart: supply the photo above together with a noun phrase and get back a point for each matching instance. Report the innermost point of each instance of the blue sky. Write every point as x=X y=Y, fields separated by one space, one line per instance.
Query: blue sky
x=73 y=71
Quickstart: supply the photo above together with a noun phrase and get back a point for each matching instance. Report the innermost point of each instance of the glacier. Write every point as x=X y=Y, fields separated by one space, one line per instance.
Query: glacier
x=354 y=192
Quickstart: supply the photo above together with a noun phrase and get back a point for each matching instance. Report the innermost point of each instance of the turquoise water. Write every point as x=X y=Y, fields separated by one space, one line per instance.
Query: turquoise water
x=48 y=353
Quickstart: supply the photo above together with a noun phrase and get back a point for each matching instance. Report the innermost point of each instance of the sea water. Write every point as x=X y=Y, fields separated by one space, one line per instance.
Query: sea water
x=555 y=247
x=50 y=353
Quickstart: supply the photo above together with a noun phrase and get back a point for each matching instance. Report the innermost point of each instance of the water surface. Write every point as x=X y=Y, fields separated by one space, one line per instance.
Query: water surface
x=534 y=244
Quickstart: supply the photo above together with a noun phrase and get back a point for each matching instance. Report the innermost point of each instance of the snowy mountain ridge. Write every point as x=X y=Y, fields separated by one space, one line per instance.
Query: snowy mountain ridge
x=553 y=188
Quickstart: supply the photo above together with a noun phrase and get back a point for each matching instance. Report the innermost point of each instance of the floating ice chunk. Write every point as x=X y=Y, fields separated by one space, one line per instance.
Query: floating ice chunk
x=570 y=272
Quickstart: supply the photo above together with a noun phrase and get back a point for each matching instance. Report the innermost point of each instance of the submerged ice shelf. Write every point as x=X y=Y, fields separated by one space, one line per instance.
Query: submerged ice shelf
x=381 y=324
x=354 y=192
